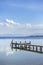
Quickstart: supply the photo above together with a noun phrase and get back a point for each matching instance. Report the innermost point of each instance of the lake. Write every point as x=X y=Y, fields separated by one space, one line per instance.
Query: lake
x=19 y=57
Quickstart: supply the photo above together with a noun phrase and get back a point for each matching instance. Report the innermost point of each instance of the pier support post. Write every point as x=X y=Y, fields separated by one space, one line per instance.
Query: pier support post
x=33 y=47
x=20 y=42
x=40 y=48
x=16 y=44
x=11 y=44
x=36 y=49
x=29 y=47
x=25 y=41
x=21 y=47
x=25 y=46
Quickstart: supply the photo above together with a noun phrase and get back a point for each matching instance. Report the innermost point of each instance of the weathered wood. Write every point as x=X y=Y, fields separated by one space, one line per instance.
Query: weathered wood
x=26 y=46
x=36 y=49
x=29 y=47
x=33 y=47
x=40 y=48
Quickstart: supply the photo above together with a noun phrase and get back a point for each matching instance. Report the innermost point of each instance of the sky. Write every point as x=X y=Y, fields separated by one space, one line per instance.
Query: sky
x=21 y=17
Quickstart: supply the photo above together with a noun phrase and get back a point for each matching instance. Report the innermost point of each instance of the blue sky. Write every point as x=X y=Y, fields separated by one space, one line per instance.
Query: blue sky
x=21 y=17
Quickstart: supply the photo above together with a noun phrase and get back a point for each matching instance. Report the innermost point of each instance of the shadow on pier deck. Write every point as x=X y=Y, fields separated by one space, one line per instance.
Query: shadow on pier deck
x=27 y=47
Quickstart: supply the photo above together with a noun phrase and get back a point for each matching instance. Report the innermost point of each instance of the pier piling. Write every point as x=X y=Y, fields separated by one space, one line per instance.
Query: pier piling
x=27 y=46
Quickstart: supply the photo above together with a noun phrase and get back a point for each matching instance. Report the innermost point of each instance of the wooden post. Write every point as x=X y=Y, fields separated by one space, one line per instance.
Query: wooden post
x=25 y=41
x=33 y=47
x=16 y=44
x=36 y=49
x=20 y=42
x=29 y=42
x=29 y=47
x=20 y=45
x=12 y=43
x=40 y=48
x=25 y=46
x=16 y=41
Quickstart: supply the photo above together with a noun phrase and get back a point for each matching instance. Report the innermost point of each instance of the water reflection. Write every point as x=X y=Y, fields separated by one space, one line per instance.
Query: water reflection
x=9 y=56
x=13 y=56
x=21 y=49
x=8 y=51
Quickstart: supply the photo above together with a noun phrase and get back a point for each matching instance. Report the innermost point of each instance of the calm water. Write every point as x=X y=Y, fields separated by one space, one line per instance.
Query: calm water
x=19 y=57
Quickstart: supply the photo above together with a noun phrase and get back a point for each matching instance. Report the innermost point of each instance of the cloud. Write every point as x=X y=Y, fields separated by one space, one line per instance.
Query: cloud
x=7 y=24
x=12 y=22
x=12 y=27
x=9 y=21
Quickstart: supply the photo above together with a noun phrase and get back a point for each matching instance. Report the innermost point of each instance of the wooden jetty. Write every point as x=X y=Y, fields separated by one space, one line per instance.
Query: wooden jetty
x=27 y=46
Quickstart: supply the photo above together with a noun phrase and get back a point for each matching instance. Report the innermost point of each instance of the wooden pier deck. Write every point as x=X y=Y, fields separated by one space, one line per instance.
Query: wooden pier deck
x=27 y=46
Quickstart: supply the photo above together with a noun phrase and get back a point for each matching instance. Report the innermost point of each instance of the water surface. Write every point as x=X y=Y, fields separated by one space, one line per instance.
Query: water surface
x=19 y=57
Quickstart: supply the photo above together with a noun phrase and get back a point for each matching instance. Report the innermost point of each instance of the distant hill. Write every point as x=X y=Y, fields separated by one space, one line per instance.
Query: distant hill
x=19 y=37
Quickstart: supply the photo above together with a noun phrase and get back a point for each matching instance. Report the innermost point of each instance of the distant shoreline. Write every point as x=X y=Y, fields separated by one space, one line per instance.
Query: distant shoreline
x=21 y=37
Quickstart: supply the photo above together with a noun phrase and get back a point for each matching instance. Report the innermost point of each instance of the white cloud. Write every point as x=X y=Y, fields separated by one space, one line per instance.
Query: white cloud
x=12 y=27
x=9 y=21
x=12 y=22
x=7 y=24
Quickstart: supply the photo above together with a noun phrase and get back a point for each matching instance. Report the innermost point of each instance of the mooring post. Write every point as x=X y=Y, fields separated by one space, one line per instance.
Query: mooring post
x=40 y=48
